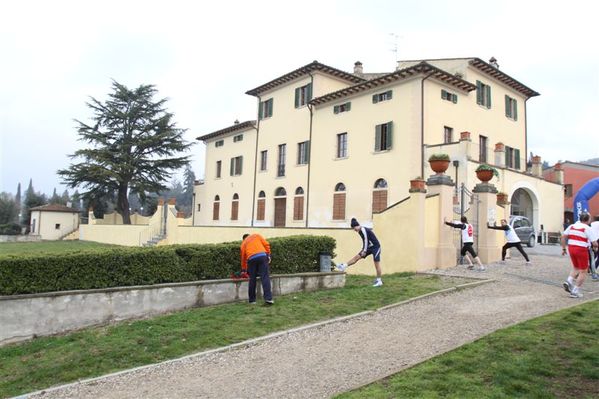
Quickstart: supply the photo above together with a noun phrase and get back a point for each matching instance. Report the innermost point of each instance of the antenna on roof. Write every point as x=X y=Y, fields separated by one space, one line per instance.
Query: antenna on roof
x=395 y=48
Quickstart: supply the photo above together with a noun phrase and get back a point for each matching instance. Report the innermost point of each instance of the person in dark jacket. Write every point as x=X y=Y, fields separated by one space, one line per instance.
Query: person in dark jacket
x=370 y=246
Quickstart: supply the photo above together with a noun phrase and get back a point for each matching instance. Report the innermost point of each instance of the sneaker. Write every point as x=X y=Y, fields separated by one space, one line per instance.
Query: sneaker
x=377 y=283
x=269 y=302
x=528 y=263
x=567 y=286
x=341 y=267
x=575 y=293
x=481 y=269
x=470 y=267
x=595 y=277
x=252 y=303
x=502 y=262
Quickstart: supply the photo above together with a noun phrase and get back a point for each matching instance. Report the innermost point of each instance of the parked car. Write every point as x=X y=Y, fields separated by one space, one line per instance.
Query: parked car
x=524 y=229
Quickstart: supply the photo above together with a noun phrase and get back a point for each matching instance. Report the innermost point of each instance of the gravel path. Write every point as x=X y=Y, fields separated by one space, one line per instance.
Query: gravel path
x=322 y=361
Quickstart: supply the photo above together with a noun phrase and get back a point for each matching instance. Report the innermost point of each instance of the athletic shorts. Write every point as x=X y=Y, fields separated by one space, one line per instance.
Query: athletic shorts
x=375 y=252
x=579 y=256
x=468 y=247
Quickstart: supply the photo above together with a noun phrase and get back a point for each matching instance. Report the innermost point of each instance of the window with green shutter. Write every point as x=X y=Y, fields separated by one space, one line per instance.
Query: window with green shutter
x=303 y=95
x=265 y=109
x=383 y=137
x=445 y=95
x=483 y=94
x=384 y=96
x=345 y=107
x=516 y=159
x=511 y=108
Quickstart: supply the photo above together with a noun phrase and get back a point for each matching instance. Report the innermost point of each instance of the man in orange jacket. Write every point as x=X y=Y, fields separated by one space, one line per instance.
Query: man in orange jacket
x=255 y=258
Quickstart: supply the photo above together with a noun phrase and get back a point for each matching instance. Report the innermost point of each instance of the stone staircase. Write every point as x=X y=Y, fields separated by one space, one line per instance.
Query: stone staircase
x=73 y=235
x=154 y=241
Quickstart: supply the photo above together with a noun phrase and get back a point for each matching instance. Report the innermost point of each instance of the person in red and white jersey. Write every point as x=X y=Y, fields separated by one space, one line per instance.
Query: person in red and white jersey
x=579 y=237
x=467 y=241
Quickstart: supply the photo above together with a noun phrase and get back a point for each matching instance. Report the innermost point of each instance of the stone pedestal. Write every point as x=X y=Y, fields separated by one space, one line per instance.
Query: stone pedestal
x=443 y=185
x=489 y=245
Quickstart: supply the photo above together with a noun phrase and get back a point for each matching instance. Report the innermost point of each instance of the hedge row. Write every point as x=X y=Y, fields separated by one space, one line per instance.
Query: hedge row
x=143 y=266
x=10 y=229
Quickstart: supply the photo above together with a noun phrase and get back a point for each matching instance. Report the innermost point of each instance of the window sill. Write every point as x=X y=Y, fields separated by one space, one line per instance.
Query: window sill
x=340 y=158
x=485 y=107
x=382 y=151
x=301 y=164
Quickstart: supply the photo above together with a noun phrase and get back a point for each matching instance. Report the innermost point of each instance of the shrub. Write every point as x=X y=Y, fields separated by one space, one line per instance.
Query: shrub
x=10 y=229
x=438 y=157
x=144 y=266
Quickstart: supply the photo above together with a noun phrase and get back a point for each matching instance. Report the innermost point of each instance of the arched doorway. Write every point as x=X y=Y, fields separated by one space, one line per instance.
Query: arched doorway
x=280 y=206
x=522 y=204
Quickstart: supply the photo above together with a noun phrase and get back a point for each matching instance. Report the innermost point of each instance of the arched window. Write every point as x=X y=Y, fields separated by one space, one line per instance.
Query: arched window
x=280 y=192
x=216 y=208
x=261 y=206
x=298 y=204
x=339 y=202
x=379 y=196
x=235 y=207
x=380 y=183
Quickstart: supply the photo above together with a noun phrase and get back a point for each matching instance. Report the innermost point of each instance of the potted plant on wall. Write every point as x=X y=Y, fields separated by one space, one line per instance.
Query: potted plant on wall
x=486 y=172
x=439 y=163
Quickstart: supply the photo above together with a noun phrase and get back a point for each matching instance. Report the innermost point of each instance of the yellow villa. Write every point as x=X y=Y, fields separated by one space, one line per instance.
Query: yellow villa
x=328 y=145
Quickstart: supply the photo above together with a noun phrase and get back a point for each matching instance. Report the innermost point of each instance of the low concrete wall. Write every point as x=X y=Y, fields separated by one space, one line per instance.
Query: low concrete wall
x=20 y=238
x=27 y=316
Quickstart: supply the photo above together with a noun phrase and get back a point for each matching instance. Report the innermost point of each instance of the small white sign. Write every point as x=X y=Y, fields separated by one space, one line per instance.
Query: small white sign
x=491 y=216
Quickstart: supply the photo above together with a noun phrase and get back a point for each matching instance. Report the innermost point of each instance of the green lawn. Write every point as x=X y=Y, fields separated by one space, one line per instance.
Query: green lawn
x=48 y=361
x=555 y=356
x=34 y=248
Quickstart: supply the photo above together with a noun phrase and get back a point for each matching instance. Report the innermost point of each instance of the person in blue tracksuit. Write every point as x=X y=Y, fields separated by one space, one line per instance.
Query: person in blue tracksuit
x=370 y=246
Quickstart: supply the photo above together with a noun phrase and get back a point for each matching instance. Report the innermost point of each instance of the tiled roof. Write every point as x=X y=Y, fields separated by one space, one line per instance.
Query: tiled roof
x=419 y=69
x=55 y=208
x=502 y=77
x=313 y=66
x=233 y=128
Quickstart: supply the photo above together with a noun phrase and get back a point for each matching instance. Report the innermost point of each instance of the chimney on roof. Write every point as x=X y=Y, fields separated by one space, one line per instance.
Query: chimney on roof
x=236 y=122
x=358 y=70
x=493 y=62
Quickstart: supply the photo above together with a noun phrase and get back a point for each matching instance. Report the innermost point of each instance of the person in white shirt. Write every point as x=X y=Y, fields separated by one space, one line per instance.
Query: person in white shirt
x=578 y=236
x=468 y=241
x=512 y=239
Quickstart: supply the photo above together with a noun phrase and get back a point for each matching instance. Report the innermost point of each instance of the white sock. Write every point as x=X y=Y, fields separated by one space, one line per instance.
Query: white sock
x=570 y=280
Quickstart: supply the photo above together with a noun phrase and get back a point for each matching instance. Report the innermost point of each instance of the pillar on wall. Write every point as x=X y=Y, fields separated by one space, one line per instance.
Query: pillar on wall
x=559 y=173
x=90 y=216
x=443 y=185
x=537 y=166
x=500 y=155
x=465 y=143
x=489 y=248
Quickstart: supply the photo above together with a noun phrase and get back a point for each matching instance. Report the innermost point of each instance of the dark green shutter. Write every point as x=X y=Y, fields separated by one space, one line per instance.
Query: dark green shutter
x=307 y=151
x=479 y=92
x=515 y=116
x=270 y=108
x=507 y=156
x=508 y=112
x=336 y=109
x=309 y=94
x=348 y=106
x=240 y=165
x=261 y=110
x=488 y=90
x=517 y=159
x=377 y=138
x=232 y=169
x=454 y=98
x=375 y=98
x=389 y=135
x=297 y=97
x=443 y=94
x=389 y=94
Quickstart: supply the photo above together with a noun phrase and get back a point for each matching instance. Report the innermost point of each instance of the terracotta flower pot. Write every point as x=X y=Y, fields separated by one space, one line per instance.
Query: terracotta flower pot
x=501 y=198
x=439 y=166
x=484 y=175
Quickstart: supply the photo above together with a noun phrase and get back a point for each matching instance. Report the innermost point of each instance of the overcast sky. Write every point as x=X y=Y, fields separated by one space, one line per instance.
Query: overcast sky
x=203 y=56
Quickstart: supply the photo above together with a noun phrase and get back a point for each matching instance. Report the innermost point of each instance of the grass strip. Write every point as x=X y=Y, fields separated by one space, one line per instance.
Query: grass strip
x=49 y=361
x=49 y=247
x=553 y=356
